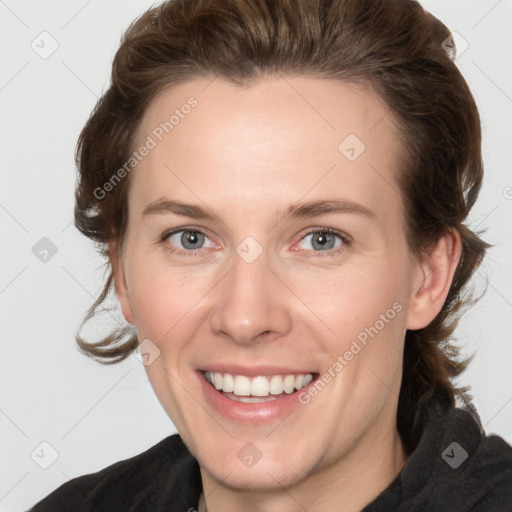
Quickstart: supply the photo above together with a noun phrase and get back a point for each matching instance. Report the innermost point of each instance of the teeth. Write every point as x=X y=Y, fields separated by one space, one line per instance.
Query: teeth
x=276 y=385
x=242 y=385
x=217 y=380
x=260 y=386
x=228 y=383
x=289 y=384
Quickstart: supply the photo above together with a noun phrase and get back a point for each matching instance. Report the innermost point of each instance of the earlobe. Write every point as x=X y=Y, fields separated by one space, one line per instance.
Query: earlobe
x=433 y=280
x=120 y=282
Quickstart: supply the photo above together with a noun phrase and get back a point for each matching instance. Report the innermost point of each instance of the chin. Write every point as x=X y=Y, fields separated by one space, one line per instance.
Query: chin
x=275 y=469
x=263 y=479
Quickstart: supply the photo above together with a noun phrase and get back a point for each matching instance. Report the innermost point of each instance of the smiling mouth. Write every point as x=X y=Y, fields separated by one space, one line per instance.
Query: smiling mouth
x=242 y=388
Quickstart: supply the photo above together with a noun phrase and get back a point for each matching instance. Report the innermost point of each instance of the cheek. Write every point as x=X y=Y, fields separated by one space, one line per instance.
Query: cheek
x=362 y=327
x=152 y=294
x=165 y=299
x=348 y=300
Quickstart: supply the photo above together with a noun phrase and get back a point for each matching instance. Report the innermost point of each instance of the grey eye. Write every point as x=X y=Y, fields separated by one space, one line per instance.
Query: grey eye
x=189 y=240
x=323 y=240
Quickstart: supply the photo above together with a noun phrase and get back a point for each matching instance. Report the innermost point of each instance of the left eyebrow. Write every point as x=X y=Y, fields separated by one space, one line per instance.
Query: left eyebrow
x=294 y=210
x=325 y=206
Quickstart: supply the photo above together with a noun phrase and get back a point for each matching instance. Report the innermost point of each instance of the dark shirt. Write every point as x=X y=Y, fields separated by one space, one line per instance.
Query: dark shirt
x=454 y=468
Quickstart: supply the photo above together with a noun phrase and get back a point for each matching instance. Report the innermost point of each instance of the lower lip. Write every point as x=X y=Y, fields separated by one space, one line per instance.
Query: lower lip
x=254 y=413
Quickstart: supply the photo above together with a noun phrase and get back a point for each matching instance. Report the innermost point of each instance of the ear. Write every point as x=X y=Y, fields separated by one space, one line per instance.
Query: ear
x=433 y=278
x=120 y=282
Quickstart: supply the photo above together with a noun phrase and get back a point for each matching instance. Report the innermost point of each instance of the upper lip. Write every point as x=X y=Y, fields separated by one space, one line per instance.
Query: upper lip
x=255 y=370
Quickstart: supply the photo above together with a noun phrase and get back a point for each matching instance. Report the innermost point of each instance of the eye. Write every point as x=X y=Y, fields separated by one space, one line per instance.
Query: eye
x=191 y=241
x=324 y=240
x=186 y=241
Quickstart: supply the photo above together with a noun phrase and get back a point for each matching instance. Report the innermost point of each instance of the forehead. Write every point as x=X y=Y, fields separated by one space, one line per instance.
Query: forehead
x=276 y=140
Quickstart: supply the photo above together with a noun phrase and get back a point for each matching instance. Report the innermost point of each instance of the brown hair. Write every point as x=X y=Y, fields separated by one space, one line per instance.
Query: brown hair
x=393 y=46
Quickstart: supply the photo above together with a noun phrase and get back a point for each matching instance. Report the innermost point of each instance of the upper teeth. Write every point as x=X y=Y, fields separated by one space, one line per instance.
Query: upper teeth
x=242 y=385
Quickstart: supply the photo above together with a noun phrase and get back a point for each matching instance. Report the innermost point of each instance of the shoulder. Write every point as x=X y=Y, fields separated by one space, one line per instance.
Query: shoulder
x=491 y=473
x=144 y=482
x=454 y=467
x=462 y=467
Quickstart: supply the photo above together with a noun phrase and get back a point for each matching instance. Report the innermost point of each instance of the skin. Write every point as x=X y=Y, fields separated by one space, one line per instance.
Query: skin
x=247 y=153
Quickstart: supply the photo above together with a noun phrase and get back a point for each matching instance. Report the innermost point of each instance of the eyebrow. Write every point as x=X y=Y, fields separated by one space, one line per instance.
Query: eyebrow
x=294 y=210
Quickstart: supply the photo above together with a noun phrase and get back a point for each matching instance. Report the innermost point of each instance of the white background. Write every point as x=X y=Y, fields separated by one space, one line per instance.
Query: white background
x=94 y=415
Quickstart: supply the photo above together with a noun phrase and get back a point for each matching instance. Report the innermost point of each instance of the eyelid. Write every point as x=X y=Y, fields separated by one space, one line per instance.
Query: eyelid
x=344 y=236
x=169 y=232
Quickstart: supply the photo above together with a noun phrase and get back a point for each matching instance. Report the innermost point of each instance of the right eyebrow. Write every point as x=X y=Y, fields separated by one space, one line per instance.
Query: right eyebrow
x=163 y=206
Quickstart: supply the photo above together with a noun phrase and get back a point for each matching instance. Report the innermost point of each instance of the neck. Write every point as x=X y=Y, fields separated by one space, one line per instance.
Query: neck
x=354 y=482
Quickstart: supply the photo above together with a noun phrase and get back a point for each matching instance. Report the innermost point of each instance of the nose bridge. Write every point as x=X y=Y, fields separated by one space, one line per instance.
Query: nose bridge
x=249 y=304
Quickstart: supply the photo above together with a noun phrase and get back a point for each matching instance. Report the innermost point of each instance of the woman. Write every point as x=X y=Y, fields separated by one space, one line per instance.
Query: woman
x=280 y=188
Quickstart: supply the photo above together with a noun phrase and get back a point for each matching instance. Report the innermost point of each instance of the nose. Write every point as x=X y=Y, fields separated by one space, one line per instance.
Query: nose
x=251 y=303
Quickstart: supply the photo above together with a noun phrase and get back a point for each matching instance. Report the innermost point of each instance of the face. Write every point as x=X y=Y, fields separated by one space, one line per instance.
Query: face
x=265 y=265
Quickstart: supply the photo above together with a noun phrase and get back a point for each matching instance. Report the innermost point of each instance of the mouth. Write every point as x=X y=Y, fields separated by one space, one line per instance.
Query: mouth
x=257 y=389
x=257 y=394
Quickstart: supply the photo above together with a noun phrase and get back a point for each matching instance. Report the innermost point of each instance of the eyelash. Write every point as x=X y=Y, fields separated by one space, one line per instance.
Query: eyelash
x=346 y=241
